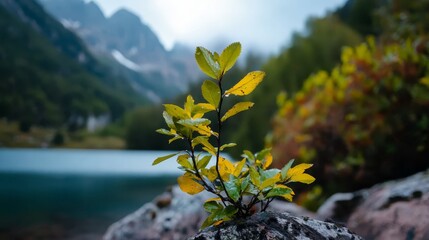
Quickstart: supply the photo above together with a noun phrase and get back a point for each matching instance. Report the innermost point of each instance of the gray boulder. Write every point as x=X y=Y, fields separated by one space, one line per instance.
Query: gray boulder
x=275 y=226
x=392 y=210
x=175 y=215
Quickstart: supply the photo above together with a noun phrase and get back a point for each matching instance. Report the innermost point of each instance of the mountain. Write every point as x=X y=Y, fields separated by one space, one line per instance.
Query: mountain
x=48 y=76
x=129 y=46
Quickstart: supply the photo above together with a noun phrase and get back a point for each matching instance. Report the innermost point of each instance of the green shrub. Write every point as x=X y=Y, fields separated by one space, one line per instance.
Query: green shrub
x=238 y=186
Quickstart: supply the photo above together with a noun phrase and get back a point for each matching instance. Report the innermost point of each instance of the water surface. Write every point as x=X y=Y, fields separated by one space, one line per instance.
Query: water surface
x=73 y=194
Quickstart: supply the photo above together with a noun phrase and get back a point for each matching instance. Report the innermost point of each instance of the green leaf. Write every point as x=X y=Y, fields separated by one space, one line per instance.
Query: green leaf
x=223 y=214
x=286 y=168
x=269 y=177
x=211 y=93
x=227 y=146
x=246 y=85
x=189 y=104
x=251 y=190
x=270 y=173
x=202 y=163
x=194 y=122
x=255 y=177
x=211 y=206
x=165 y=132
x=176 y=111
x=249 y=155
x=174 y=139
x=209 y=221
x=169 y=120
x=245 y=183
x=268 y=182
x=202 y=108
x=229 y=56
x=161 y=159
x=229 y=211
x=278 y=191
x=233 y=188
x=239 y=107
x=203 y=141
x=207 y=63
x=262 y=154
x=183 y=160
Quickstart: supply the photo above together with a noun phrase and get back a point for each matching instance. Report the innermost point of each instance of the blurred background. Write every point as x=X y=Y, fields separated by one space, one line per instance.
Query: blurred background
x=82 y=85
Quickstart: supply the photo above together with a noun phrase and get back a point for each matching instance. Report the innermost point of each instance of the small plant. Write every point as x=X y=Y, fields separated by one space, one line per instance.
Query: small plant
x=239 y=187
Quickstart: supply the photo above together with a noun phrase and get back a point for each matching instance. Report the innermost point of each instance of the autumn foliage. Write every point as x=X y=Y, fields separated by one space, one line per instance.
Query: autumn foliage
x=365 y=122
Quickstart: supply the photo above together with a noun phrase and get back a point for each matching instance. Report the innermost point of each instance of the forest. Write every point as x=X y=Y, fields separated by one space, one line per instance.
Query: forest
x=353 y=101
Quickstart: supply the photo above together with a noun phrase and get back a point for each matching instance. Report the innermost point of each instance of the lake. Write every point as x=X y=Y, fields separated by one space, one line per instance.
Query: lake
x=75 y=194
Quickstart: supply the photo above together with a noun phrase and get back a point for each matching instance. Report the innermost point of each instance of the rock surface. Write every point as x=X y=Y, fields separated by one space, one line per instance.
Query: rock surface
x=392 y=210
x=269 y=225
x=175 y=215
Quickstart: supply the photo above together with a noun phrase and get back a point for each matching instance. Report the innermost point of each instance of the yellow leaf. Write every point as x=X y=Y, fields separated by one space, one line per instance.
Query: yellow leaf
x=239 y=167
x=246 y=85
x=298 y=169
x=288 y=196
x=303 y=178
x=209 y=173
x=237 y=108
x=203 y=130
x=215 y=199
x=268 y=161
x=225 y=168
x=189 y=104
x=270 y=181
x=188 y=184
x=176 y=111
x=201 y=108
x=296 y=174
x=183 y=161
x=203 y=141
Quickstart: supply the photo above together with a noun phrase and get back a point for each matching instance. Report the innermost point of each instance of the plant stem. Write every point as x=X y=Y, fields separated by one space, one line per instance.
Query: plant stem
x=266 y=205
x=218 y=111
x=197 y=173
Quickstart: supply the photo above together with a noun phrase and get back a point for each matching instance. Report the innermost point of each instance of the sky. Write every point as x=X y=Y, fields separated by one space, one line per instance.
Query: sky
x=263 y=26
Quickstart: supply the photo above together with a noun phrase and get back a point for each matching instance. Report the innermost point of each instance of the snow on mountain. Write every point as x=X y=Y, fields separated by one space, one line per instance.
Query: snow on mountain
x=125 y=61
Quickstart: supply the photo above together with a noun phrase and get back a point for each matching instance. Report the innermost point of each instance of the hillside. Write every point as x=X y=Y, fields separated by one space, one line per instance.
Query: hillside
x=48 y=77
x=129 y=46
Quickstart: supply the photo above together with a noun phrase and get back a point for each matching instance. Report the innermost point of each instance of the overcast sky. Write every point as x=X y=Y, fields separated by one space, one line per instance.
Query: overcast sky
x=264 y=26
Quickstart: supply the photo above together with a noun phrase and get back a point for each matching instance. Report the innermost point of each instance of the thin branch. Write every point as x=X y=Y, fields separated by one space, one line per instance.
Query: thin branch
x=218 y=110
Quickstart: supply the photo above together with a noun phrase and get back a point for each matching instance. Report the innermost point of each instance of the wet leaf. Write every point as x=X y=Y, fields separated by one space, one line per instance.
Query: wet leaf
x=246 y=85
x=176 y=111
x=188 y=184
x=229 y=56
x=207 y=62
x=237 y=108
x=183 y=161
x=211 y=93
x=202 y=163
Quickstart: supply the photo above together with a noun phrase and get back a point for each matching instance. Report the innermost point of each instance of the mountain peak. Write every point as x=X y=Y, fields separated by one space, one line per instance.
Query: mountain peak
x=124 y=15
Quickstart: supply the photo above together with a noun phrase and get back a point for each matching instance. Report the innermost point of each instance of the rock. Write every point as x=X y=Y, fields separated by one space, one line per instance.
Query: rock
x=339 y=206
x=172 y=215
x=269 y=225
x=175 y=215
x=392 y=210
